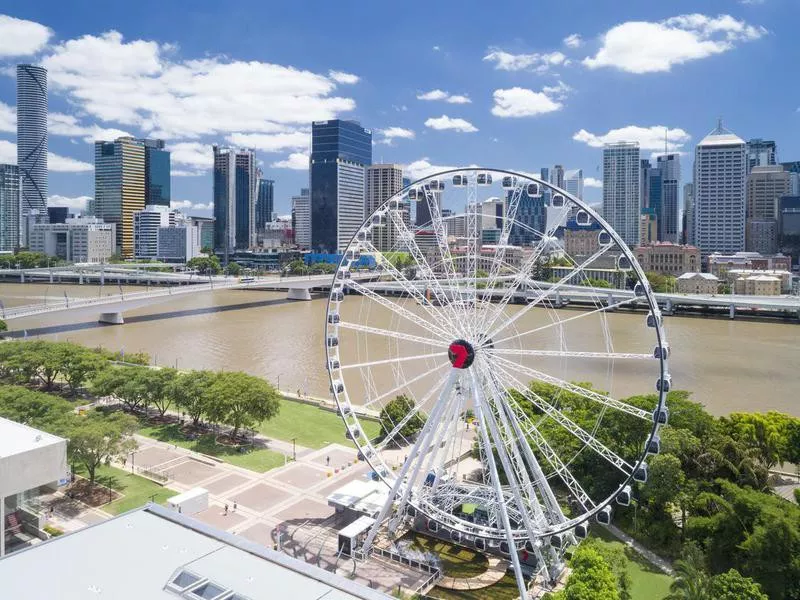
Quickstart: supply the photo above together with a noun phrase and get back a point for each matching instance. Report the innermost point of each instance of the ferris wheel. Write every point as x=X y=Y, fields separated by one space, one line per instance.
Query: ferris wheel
x=498 y=337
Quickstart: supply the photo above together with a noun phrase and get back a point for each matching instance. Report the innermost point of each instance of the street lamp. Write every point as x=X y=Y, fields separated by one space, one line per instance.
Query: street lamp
x=294 y=449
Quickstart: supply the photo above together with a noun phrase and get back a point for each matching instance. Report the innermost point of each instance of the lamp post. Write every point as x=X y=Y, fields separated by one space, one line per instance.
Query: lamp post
x=294 y=449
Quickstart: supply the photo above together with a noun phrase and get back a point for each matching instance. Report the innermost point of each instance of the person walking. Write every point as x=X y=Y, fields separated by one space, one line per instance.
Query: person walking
x=226 y=510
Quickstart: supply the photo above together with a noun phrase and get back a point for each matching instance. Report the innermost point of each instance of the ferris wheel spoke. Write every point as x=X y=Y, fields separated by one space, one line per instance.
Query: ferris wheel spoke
x=570 y=354
x=607 y=401
x=407 y=237
x=400 y=310
x=566 y=423
x=404 y=385
x=390 y=361
x=396 y=335
x=562 y=322
x=415 y=410
x=549 y=290
x=409 y=287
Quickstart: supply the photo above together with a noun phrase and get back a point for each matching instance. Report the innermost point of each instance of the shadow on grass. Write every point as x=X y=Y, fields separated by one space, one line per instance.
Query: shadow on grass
x=173 y=433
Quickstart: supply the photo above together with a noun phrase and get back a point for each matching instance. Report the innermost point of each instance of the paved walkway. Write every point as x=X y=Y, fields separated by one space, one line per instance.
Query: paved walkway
x=496 y=571
x=649 y=556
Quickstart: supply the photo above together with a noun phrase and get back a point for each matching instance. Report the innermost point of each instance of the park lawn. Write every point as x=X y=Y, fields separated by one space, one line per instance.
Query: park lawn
x=505 y=589
x=647 y=582
x=259 y=460
x=137 y=491
x=312 y=426
x=457 y=561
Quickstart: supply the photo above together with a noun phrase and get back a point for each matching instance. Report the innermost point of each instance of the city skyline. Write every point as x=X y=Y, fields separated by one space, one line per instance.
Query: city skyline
x=563 y=75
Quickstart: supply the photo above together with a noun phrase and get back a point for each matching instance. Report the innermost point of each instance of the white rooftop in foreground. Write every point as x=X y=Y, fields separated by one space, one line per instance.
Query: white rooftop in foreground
x=137 y=555
x=16 y=438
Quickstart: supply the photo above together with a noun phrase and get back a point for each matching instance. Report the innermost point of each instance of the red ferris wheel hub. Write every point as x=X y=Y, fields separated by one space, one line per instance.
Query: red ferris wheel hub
x=461 y=354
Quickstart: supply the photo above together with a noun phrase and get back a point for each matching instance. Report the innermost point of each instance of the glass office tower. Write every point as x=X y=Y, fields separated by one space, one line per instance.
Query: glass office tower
x=32 y=144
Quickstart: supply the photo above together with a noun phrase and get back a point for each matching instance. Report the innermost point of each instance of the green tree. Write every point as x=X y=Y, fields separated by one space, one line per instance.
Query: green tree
x=732 y=585
x=395 y=411
x=233 y=269
x=3 y=325
x=81 y=365
x=768 y=434
x=242 y=400
x=297 y=267
x=37 y=409
x=157 y=385
x=207 y=250
x=97 y=438
x=205 y=265
x=124 y=383
x=665 y=480
x=660 y=283
x=691 y=579
x=614 y=555
x=591 y=577
x=191 y=392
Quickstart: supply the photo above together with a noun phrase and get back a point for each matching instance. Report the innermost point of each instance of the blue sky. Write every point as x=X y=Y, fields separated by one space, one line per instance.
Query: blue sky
x=516 y=85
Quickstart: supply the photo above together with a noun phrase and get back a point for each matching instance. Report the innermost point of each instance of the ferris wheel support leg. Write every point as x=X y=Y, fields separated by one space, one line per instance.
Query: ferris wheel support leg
x=495 y=477
x=427 y=430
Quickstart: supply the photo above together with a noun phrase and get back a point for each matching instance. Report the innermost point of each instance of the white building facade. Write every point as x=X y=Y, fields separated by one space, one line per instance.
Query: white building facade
x=81 y=240
x=621 y=201
x=301 y=219
x=383 y=182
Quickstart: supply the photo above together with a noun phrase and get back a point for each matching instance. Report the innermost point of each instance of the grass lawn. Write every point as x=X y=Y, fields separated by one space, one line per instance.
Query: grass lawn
x=505 y=589
x=259 y=460
x=312 y=426
x=457 y=561
x=137 y=491
x=647 y=582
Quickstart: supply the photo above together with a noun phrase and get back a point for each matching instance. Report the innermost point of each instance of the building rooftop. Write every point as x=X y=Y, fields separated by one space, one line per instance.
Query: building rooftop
x=721 y=137
x=153 y=553
x=706 y=276
x=16 y=438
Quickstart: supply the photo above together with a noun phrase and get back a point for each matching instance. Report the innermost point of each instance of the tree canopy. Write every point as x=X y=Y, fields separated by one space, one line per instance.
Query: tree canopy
x=242 y=400
x=96 y=438
x=394 y=412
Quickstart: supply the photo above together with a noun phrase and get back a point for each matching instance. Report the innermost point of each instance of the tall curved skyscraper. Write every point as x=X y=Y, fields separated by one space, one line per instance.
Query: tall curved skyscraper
x=32 y=140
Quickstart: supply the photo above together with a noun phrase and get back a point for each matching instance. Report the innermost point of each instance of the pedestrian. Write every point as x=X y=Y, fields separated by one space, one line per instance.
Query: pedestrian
x=234 y=506
x=226 y=510
x=327 y=461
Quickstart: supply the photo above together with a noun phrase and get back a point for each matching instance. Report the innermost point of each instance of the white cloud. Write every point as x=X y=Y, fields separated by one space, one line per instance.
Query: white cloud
x=592 y=182
x=649 y=138
x=62 y=124
x=186 y=173
x=445 y=122
x=342 y=77
x=275 y=142
x=142 y=85
x=446 y=96
x=422 y=168
x=296 y=160
x=192 y=154
x=560 y=90
x=521 y=102
x=539 y=63
x=648 y=47
x=76 y=203
x=55 y=162
x=8 y=118
x=752 y=2
x=8 y=152
x=573 y=41
x=186 y=205
x=436 y=48
x=391 y=133
x=21 y=38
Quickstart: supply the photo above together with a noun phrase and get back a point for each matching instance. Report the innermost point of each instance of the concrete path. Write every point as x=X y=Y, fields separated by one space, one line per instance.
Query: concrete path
x=496 y=571
x=648 y=555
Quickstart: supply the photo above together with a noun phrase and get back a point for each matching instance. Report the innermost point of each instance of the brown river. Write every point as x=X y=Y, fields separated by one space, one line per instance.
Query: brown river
x=729 y=366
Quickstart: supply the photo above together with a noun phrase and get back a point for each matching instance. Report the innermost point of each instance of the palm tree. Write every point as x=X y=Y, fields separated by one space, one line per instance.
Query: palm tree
x=691 y=579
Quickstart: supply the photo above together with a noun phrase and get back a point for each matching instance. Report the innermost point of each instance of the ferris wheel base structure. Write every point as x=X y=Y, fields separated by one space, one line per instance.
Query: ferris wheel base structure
x=501 y=451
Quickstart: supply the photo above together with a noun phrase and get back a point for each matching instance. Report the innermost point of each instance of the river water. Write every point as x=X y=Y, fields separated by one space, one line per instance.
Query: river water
x=728 y=365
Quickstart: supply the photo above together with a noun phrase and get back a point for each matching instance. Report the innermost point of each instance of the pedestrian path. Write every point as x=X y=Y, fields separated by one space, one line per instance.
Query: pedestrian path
x=648 y=555
x=496 y=571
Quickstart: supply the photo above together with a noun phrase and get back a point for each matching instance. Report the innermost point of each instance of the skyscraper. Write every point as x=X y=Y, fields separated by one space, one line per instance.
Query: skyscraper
x=10 y=201
x=383 y=182
x=264 y=202
x=119 y=187
x=301 y=219
x=340 y=153
x=557 y=176
x=688 y=213
x=235 y=189
x=158 y=191
x=423 y=214
x=32 y=144
x=719 y=192
x=669 y=166
x=573 y=180
x=621 y=201
x=761 y=153
x=765 y=186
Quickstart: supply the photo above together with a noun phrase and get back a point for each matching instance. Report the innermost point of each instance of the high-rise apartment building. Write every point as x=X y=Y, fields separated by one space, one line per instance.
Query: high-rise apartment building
x=235 y=190
x=10 y=203
x=340 y=153
x=158 y=190
x=573 y=182
x=557 y=176
x=146 y=224
x=688 y=213
x=119 y=187
x=669 y=166
x=621 y=180
x=32 y=145
x=265 y=202
x=761 y=153
x=383 y=182
x=422 y=215
x=765 y=186
x=719 y=192
x=301 y=219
